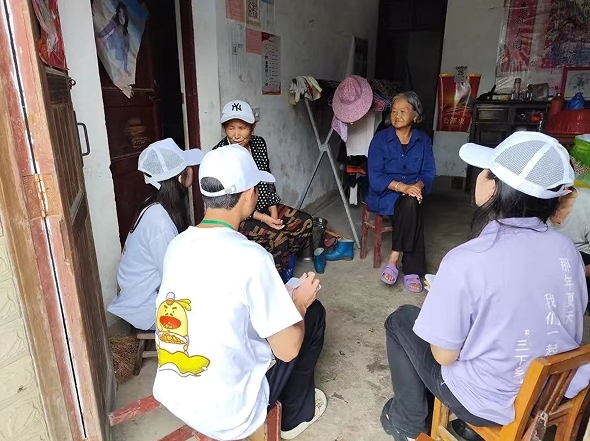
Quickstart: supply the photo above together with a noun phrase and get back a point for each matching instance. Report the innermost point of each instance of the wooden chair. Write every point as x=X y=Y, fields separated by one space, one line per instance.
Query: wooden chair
x=144 y=338
x=424 y=437
x=270 y=431
x=377 y=226
x=539 y=404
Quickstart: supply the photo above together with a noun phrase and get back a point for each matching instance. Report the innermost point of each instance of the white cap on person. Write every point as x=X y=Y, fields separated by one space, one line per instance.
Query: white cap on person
x=234 y=167
x=530 y=162
x=237 y=109
x=163 y=160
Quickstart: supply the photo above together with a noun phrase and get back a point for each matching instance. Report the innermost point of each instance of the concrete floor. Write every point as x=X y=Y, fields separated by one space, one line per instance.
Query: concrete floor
x=352 y=370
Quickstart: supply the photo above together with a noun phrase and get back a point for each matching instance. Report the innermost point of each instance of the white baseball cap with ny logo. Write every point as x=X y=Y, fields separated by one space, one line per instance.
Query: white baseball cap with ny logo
x=237 y=109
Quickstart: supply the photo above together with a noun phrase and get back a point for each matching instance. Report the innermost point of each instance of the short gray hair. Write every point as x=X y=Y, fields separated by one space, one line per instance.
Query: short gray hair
x=412 y=98
x=224 y=202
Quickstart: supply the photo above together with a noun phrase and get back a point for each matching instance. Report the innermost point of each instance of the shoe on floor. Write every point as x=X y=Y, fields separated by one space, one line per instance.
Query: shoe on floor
x=464 y=431
x=321 y=402
x=388 y=426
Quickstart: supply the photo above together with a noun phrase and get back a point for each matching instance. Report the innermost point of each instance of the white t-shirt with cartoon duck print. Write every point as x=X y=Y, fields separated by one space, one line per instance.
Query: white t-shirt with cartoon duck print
x=220 y=298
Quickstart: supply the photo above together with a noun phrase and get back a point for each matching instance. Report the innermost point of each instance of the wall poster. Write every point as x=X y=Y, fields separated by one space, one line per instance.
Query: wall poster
x=539 y=39
x=267 y=15
x=567 y=39
x=271 y=64
x=455 y=102
x=253 y=41
x=253 y=12
x=237 y=47
x=118 y=28
x=235 y=10
x=516 y=48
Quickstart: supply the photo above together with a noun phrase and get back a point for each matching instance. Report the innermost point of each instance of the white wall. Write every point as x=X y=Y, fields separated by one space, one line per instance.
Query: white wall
x=472 y=33
x=78 y=33
x=206 y=51
x=315 y=40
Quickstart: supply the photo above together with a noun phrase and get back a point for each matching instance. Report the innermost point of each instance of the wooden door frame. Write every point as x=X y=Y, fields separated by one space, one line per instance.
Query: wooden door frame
x=30 y=264
x=25 y=230
x=190 y=92
x=26 y=154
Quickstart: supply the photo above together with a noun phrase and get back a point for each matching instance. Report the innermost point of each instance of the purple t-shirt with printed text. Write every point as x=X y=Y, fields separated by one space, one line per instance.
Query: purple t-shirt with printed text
x=503 y=299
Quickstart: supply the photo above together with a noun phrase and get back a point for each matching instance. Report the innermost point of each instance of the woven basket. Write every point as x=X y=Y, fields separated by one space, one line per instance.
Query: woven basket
x=123 y=350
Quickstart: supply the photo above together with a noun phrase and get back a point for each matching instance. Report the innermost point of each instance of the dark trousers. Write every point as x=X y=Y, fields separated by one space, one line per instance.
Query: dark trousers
x=416 y=376
x=293 y=383
x=408 y=235
x=281 y=243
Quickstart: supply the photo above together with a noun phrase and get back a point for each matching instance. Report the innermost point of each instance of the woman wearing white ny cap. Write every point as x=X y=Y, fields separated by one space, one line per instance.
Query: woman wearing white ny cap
x=515 y=292
x=283 y=231
x=162 y=217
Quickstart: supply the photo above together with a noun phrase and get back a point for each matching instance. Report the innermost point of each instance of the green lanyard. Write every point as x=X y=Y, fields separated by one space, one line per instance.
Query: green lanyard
x=217 y=222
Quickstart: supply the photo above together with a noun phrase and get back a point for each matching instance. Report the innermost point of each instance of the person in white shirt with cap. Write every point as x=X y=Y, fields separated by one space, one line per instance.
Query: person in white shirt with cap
x=162 y=216
x=231 y=337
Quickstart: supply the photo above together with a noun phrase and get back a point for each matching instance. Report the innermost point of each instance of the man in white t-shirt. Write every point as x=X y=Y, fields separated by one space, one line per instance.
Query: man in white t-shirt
x=223 y=311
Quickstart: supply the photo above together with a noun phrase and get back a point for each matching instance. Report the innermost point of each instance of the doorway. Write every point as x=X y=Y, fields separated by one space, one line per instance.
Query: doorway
x=409 y=48
x=155 y=110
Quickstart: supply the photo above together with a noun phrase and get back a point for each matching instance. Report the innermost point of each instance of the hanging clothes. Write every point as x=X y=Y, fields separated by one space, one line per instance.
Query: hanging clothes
x=304 y=86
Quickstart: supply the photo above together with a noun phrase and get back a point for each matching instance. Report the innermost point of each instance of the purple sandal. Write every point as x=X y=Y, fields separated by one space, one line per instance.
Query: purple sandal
x=389 y=270
x=413 y=279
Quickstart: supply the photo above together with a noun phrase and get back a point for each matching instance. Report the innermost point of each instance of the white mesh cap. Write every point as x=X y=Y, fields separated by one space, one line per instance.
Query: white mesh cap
x=163 y=160
x=234 y=167
x=530 y=162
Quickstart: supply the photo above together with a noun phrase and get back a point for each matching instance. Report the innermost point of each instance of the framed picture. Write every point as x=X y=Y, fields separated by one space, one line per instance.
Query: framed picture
x=574 y=80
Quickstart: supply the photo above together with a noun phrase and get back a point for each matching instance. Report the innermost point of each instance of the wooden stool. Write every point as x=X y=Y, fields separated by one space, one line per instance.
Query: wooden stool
x=539 y=403
x=379 y=229
x=144 y=337
x=270 y=431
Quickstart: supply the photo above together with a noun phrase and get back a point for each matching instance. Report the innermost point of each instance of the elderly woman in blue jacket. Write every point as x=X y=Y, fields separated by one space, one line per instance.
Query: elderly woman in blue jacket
x=401 y=170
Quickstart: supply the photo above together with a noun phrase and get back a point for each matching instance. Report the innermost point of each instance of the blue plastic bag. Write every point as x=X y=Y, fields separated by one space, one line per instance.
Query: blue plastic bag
x=576 y=103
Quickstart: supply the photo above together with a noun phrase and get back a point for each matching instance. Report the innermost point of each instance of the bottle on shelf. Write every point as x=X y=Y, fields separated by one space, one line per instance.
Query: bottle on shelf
x=557 y=103
x=516 y=88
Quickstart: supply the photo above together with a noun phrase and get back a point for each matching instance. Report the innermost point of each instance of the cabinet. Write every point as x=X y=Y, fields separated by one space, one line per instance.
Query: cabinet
x=493 y=121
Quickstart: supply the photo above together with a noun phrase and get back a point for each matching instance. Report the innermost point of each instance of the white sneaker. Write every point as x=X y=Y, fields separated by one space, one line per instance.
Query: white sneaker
x=321 y=402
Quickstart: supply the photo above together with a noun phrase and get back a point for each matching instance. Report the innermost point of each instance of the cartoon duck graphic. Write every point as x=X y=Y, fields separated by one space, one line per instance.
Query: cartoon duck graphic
x=172 y=340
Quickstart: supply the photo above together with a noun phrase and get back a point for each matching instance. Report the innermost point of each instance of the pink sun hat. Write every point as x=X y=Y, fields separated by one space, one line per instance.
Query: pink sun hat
x=352 y=99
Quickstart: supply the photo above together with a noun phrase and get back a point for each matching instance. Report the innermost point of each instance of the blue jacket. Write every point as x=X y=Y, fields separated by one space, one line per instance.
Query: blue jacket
x=388 y=162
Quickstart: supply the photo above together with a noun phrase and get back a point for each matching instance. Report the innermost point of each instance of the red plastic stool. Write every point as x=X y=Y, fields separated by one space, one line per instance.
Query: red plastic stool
x=272 y=425
x=379 y=229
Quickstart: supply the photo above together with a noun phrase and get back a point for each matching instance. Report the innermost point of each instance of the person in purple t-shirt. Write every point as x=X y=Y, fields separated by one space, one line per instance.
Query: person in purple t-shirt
x=515 y=292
